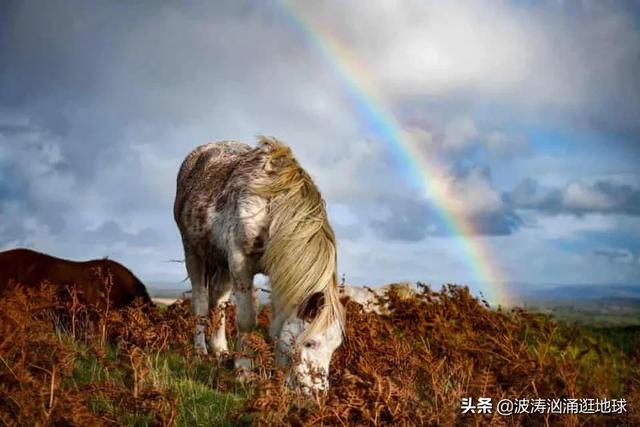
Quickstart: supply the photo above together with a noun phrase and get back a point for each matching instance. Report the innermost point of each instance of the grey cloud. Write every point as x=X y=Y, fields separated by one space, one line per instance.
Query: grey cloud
x=526 y=194
x=348 y=232
x=501 y=223
x=617 y=255
x=392 y=210
x=11 y=130
x=456 y=136
x=12 y=228
x=505 y=145
x=407 y=217
x=92 y=74
x=100 y=103
x=408 y=220
x=111 y=232
x=485 y=206
x=578 y=198
x=542 y=56
x=415 y=220
x=110 y=97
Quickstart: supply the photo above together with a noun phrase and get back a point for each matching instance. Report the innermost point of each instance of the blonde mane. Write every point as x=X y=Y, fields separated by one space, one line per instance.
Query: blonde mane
x=300 y=254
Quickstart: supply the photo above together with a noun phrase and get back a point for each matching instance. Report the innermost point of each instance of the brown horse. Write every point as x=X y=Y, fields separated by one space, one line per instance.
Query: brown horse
x=97 y=281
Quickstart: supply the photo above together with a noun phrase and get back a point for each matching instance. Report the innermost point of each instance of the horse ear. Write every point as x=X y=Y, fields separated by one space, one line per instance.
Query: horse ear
x=311 y=307
x=266 y=144
x=277 y=154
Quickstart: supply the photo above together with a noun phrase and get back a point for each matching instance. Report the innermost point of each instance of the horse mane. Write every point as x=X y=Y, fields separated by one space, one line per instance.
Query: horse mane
x=300 y=254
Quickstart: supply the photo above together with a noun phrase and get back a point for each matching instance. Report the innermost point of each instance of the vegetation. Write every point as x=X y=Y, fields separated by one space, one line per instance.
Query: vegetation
x=411 y=367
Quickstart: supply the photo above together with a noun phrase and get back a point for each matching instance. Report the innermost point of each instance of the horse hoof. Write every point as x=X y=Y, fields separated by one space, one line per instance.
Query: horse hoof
x=202 y=351
x=200 y=347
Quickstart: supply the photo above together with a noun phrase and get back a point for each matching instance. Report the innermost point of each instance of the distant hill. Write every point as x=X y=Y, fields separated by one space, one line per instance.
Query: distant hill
x=168 y=289
x=613 y=294
x=561 y=294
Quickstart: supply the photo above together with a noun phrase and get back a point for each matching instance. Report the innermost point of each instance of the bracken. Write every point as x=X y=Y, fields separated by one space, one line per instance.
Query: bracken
x=411 y=366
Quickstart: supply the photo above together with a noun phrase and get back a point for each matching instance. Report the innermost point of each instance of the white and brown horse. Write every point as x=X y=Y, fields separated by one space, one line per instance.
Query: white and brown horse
x=372 y=298
x=242 y=211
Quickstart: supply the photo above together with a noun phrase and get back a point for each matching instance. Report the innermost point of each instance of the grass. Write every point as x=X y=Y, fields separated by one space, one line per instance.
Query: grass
x=411 y=367
x=626 y=338
x=202 y=406
x=88 y=369
x=596 y=319
x=198 y=405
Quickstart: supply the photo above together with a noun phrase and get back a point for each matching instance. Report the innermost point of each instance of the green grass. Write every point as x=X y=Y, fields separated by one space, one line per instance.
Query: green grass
x=87 y=369
x=621 y=331
x=202 y=406
x=591 y=318
x=627 y=338
x=191 y=380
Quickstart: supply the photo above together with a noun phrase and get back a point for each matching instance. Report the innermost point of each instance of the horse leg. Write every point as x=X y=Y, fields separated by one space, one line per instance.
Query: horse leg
x=246 y=307
x=199 y=298
x=219 y=293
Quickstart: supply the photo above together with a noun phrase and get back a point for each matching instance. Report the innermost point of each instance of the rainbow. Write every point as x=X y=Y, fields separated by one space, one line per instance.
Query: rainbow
x=369 y=105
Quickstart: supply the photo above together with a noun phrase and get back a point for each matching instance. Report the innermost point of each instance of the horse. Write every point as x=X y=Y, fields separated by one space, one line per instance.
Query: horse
x=99 y=282
x=245 y=210
x=369 y=298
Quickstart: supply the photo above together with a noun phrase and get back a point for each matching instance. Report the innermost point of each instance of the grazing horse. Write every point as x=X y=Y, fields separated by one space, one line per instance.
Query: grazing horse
x=31 y=269
x=370 y=298
x=243 y=211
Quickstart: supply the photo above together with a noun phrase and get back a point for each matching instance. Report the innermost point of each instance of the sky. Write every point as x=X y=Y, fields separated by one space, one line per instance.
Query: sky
x=530 y=109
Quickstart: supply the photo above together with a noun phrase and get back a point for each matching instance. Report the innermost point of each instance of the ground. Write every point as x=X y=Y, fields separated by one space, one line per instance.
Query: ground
x=412 y=367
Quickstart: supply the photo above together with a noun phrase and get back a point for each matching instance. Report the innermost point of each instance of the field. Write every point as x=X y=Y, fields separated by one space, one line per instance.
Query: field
x=411 y=367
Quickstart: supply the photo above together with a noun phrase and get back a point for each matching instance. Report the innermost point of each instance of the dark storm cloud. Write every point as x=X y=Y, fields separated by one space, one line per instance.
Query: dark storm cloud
x=23 y=162
x=10 y=130
x=577 y=198
x=88 y=73
x=54 y=61
x=12 y=229
x=99 y=104
x=13 y=184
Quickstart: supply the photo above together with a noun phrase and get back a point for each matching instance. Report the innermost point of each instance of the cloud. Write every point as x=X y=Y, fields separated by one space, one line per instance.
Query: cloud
x=469 y=191
x=111 y=232
x=89 y=149
x=459 y=134
x=617 y=255
x=405 y=219
x=536 y=57
x=455 y=137
x=578 y=198
x=472 y=190
x=99 y=104
x=432 y=47
x=473 y=193
x=505 y=145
